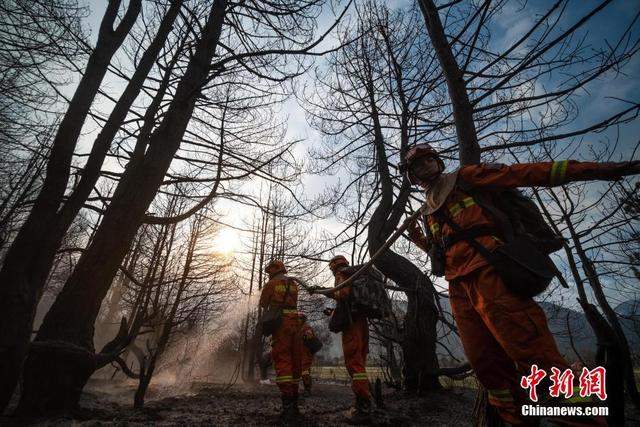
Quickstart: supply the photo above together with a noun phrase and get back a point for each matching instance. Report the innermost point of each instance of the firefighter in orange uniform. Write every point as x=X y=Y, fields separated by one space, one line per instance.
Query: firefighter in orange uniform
x=355 y=346
x=286 y=342
x=307 y=355
x=502 y=334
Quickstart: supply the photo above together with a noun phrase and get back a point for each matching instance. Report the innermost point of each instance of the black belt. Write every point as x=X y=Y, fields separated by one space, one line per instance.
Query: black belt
x=470 y=233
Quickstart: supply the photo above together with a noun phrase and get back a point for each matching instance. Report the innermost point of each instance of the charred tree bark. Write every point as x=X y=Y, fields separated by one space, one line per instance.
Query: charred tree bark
x=72 y=316
x=469 y=148
x=31 y=255
x=419 y=341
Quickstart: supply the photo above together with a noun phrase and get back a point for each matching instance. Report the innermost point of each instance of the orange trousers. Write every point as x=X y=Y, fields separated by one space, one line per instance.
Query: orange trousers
x=355 y=346
x=307 y=361
x=503 y=335
x=286 y=352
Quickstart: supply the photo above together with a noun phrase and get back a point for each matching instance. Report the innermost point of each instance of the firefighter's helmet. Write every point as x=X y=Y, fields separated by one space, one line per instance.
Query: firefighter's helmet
x=416 y=152
x=337 y=261
x=274 y=267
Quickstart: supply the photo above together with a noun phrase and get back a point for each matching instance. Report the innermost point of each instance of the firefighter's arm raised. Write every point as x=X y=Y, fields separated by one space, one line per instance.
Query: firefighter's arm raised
x=546 y=174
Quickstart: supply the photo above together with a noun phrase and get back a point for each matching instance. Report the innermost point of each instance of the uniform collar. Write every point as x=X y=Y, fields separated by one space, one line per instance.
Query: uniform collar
x=436 y=194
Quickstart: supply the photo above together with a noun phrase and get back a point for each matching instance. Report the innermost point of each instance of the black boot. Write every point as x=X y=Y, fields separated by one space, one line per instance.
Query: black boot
x=290 y=412
x=360 y=413
x=296 y=410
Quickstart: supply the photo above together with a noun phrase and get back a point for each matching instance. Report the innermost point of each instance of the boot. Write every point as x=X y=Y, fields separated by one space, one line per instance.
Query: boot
x=296 y=410
x=307 y=388
x=360 y=412
x=290 y=412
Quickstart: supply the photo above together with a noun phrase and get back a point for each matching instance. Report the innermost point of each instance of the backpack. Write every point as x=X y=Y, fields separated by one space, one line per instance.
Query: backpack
x=272 y=316
x=523 y=260
x=341 y=317
x=368 y=295
x=517 y=215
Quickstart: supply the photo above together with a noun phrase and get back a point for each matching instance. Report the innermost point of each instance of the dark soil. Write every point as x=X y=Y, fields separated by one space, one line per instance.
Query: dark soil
x=256 y=405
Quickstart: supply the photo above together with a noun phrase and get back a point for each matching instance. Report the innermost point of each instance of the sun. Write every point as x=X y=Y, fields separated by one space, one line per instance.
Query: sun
x=226 y=241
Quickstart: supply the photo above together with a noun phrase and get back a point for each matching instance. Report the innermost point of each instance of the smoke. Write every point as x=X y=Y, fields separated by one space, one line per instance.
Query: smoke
x=209 y=354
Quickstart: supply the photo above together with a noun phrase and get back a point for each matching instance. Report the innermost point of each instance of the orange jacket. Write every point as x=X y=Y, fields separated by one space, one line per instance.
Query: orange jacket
x=461 y=258
x=275 y=290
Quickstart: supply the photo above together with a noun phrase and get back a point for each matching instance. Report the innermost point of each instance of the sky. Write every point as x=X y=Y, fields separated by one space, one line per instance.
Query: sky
x=596 y=103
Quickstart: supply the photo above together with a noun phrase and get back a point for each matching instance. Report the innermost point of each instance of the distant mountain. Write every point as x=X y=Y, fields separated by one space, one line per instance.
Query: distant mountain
x=629 y=312
x=571 y=331
x=569 y=328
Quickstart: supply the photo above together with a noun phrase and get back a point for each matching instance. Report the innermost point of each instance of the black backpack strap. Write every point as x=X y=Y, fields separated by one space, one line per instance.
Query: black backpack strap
x=469 y=233
x=467 y=237
x=484 y=199
x=428 y=233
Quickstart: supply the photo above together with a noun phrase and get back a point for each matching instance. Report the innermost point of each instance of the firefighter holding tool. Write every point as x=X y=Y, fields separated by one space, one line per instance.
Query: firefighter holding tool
x=495 y=265
x=355 y=342
x=280 y=319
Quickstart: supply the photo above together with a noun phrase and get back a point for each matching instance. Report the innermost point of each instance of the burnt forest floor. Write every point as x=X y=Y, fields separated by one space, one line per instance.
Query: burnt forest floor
x=256 y=405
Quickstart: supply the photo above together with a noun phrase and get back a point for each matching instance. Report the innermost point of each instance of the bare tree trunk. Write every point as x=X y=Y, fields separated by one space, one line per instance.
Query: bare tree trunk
x=611 y=316
x=146 y=374
x=28 y=261
x=72 y=316
x=419 y=341
x=462 y=109
x=609 y=352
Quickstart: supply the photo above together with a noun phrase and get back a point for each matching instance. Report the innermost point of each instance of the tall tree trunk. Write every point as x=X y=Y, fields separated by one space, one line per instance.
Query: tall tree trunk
x=54 y=387
x=29 y=259
x=462 y=109
x=146 y=374
x=611 y=316
x=419 y=341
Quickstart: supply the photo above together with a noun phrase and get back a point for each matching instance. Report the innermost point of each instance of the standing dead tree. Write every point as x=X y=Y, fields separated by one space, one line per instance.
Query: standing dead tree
x=248 y=44
x=567 y=209
x=194 y=288
x=27 y=263
x=366 y=104
x=524 y=93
